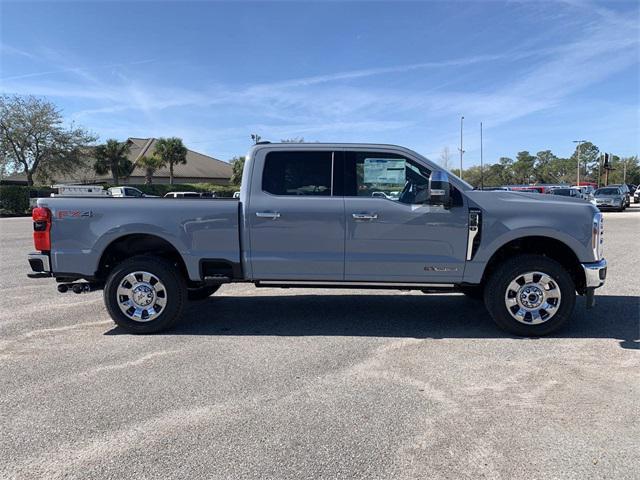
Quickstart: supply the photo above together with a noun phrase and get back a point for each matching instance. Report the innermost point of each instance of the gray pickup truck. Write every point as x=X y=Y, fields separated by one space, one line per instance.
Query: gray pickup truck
x=328 y=215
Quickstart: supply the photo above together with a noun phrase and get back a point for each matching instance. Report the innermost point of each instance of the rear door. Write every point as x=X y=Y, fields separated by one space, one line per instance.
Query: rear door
x=295 y=216
x=392 y=233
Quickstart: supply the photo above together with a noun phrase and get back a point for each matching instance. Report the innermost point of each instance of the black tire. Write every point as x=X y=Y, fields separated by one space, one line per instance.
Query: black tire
x=201 y=293
x=498 y=282
x=475 y=292
x=175 y=292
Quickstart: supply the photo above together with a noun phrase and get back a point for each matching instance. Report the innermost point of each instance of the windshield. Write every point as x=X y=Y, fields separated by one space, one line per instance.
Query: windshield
x=607 y=191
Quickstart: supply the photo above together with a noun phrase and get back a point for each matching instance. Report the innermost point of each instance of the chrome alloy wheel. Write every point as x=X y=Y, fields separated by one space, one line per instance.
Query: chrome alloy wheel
x=141 y=296
x=533 y=298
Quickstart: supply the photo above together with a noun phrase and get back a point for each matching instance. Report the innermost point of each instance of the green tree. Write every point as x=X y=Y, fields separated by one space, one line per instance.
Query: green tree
x=172 y=152
x=523 y=167
x=151 y=165
x=546 y=167
x=589 y=157
x=34 y=141
x=112 y=157
x=237 y=164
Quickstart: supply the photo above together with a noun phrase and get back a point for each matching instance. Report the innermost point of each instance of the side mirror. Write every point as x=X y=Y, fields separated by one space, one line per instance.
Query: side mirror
x=439 y=189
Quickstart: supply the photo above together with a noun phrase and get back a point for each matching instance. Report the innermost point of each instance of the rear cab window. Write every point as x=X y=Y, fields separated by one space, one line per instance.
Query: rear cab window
x=298 y=173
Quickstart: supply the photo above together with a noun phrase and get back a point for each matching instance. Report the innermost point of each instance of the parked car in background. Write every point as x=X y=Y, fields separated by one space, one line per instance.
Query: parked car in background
x=566 y=192
x=625 y=191
x=236 y=194
x=208 y=195
x=610 y=198
x=636 y=196
x=129 y=192
x=585 y=191
x=182 y=195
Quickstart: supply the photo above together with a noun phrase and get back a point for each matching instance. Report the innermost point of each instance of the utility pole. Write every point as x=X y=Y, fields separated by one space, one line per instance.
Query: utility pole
x=481 y=161
x=624 y=171
x=461 y=150
x=578 y=152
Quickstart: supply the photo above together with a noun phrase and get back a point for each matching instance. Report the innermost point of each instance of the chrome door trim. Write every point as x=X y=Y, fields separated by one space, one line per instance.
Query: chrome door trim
x=271 y=215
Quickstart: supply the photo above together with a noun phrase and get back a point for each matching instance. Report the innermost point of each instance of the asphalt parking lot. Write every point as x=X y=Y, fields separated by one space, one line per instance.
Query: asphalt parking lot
x=268 y=383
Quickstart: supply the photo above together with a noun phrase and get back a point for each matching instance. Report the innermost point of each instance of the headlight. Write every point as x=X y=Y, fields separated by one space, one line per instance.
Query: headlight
x=597 y=235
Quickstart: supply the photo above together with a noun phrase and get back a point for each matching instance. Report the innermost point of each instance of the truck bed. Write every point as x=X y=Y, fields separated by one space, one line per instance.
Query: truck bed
x=83 y=228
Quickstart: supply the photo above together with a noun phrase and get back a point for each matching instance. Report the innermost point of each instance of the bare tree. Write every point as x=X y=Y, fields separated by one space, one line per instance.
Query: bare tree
x=293 y=140
x=445 y=158
x=34 y=141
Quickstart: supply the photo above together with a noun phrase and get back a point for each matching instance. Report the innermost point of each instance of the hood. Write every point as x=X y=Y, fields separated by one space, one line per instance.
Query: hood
x=540 y=202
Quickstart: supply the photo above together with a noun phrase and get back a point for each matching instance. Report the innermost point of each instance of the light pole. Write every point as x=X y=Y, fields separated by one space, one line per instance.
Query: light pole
x=461 y=150
x=481 y=161
x=578 y=151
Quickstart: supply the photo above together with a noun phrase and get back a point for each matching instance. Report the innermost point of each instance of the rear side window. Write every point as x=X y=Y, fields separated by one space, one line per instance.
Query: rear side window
x=297 y=173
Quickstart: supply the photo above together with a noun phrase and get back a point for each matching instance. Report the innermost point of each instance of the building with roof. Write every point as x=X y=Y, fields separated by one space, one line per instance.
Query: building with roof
x=199 y=168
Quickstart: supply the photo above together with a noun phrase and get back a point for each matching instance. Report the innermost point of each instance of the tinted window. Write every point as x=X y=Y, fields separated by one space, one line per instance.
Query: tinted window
x=297 y=173
x=132 y=192
x=565 y=192
x=385 y=175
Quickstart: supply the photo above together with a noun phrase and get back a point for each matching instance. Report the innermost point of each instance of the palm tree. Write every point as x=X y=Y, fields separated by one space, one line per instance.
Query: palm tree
x=237 y=164
x=150 y=164
x=172 y=152
x=112 y=157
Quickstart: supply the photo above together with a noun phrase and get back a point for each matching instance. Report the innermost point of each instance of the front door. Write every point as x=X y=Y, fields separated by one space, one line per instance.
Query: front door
x=393 y=234
x=296 y=222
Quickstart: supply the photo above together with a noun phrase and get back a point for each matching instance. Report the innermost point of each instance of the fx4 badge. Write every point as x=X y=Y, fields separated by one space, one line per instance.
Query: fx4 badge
x=440 y=269
x=74 y=214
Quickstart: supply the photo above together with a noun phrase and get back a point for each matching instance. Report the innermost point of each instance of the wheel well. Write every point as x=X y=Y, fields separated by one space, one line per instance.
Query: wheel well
x=549 y=247
x=138 y=244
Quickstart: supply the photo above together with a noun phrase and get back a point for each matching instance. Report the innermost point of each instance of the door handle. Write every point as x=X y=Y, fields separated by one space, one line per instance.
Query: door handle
x=271 y=215
x=364 y=216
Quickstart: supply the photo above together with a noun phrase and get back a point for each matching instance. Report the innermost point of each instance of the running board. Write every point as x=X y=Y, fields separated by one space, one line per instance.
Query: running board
x=324 y=284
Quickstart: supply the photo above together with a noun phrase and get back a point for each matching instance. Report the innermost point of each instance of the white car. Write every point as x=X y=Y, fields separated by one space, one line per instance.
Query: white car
x=183 y=195
x=129 y=192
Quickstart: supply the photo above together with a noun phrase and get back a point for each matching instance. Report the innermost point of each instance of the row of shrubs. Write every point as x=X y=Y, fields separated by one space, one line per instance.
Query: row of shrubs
x=14 y=199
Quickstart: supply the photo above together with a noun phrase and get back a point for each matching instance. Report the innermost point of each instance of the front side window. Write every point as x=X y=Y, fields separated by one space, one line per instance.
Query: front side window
x=298 y=173
x=386 y=175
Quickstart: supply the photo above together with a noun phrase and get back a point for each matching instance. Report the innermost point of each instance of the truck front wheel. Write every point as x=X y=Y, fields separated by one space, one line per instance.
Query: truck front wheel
x=530 y=295
x=145 y=294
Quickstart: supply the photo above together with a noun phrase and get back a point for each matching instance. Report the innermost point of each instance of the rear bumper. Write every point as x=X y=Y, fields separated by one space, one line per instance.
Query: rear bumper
x=40 y=266
x=595 y=273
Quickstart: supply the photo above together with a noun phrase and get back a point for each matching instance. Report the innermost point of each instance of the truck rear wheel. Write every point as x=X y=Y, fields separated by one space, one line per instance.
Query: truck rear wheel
x=145 y=294
x=530 y=295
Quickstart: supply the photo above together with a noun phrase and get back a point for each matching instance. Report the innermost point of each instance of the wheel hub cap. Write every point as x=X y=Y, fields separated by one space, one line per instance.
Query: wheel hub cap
x=533 y=298
x=141 y=296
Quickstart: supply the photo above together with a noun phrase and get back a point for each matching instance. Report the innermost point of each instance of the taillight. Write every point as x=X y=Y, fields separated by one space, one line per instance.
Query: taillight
x=41 y=228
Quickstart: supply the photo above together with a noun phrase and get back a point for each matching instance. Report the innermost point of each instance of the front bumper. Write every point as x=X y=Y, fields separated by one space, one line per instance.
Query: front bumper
x=595 y=273
x=40 y=266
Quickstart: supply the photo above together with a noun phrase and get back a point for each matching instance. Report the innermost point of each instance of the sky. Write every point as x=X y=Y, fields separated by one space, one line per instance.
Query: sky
x=538 y=75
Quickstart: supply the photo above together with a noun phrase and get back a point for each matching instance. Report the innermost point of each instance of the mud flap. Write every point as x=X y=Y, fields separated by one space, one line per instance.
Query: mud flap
x=590 y=294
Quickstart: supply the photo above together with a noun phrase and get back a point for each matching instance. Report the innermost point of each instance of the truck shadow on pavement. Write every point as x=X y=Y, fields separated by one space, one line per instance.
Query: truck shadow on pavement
x=429 y=316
